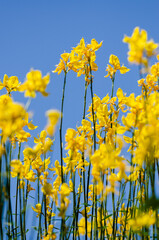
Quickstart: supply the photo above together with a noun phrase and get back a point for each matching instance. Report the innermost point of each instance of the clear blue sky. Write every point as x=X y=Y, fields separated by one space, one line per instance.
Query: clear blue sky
x=33 y=34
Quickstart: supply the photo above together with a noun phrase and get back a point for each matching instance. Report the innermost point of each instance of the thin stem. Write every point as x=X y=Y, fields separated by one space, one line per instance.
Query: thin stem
x=20 y=212
x=9 y=175
x=93 y=113
x=61 y=123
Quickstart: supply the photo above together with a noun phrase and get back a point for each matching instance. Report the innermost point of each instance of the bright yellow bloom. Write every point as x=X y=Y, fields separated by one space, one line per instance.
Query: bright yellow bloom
x=30 y=154
x=53 y=118
x=82 y=59
x=22 y=136
x=63 y=64
x=37 y=209
x=30 y=176
x=104 y=158
x=47 y=189
x=17 y=168
x=113 y=60
x=43 y=143
x=29 y=124
x=51 y=235
x=63 y=206
x=10 y=83
x=65 y=190
x=143 y=220
x=139 y=48
x=155 y=70
x=81 y=227
x=11 y=116
x=35 y=83
x=88 y=209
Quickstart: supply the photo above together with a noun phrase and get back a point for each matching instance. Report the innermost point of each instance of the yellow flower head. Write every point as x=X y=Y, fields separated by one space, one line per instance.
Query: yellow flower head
x=10 y=83
x=35 y=83
x=47 y=189
x=53 y=118
x=65 y=190
x=114 y=60
x=81 y=227
x=37 y=209
x=17 y=168
x=139 y=47
x=63 y=64
x=11 y=116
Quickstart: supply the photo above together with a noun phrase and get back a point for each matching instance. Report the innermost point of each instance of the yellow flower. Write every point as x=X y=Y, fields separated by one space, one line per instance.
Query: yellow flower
x=17 y=168
x=53 y=118
x=22 y=136
x=10 y=83
x=11 y=116
x=43 y=143
x=70 y=138
x=113 y=60
x=37 y=209
x=63 y=206
x=155 y=70
x=47 y=189
x=31 y=176
x=65 y=190
x=81 y=227
x=82 y=59
x=29 y=124
x=35 y=83
x=63 y=64
x=30 y=154
x=139 y=48
x=143 y=220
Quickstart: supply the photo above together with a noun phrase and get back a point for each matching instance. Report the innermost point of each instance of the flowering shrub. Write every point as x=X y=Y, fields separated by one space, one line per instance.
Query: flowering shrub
x=94 y=190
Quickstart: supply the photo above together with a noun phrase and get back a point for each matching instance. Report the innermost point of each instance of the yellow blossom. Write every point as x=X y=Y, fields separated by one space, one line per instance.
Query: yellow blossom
x=17 y=168
x=53 y=118
x=37 y=209
x=143 y=220
x=11 y=116
x=10 y=83
x=65 y=190
x=113 y=60
x=35 y=83
x=139 y=47
x=47 y=189
x=81 y=226
x=63 y=64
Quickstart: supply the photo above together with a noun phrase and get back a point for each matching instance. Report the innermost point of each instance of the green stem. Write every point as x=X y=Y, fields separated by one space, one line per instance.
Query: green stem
x=93 y=113
x=61 y=123
x=113 y=78
x=94 y=128
x=85 y=200
x=16 y=201
x=74 y=208
x=20 y=212
x=10 y=205
x=28 y=104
